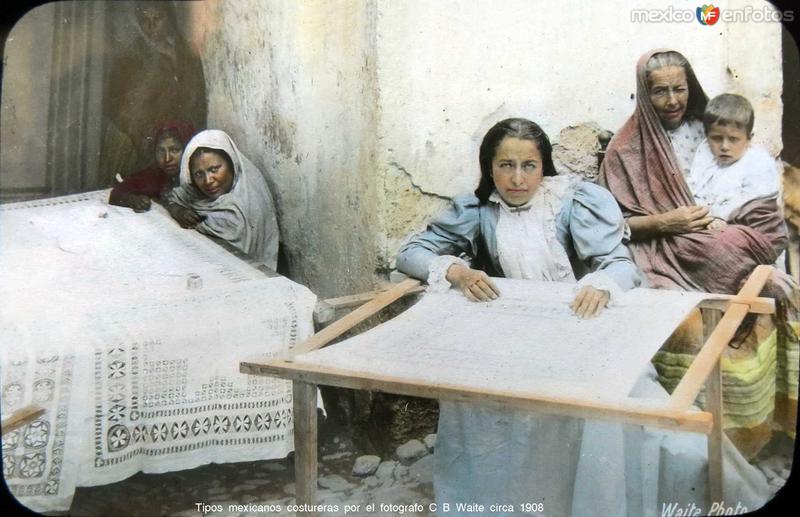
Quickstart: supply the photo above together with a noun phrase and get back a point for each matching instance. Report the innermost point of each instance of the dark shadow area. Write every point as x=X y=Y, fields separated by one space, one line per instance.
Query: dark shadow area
x=791 y=100
x=153 y=77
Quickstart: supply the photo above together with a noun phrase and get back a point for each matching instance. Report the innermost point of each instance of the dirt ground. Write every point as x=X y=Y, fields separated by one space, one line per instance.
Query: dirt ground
x=262 y=488
x=228 y=489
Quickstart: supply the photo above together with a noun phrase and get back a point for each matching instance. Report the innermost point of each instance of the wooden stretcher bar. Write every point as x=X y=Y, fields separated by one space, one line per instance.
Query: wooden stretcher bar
x=336 y=329
x=708 y=357
x=632 y=411
x=21 y=417
x=675 y=414
x=325 y=311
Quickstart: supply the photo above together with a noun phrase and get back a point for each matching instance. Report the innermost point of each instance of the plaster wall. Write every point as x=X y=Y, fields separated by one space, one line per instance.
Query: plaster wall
x=448 y=70
x=368 y=115
x=28 y=51
x=293 y=84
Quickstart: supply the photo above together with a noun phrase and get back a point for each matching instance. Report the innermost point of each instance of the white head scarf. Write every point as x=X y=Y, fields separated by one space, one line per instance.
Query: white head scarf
x=244 y=216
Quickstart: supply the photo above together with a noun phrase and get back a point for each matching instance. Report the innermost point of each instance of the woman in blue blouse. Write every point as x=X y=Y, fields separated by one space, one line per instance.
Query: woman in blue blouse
x=524 y=221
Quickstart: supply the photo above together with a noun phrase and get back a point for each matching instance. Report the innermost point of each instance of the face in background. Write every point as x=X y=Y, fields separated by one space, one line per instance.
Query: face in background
x=168 y=155
x=517 y=170
x=669 y=94
x=211 y=173
x=727 y=142
x=154 y=22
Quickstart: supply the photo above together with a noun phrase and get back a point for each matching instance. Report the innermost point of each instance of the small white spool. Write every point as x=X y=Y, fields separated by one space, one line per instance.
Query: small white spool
x=194 y=281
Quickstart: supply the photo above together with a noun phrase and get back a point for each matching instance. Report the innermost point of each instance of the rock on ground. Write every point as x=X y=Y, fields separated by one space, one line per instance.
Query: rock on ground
x=411 y=451
x=366 y=465
x=422 y=470
x=261 y=482
x=386 y=469
x=334 y=482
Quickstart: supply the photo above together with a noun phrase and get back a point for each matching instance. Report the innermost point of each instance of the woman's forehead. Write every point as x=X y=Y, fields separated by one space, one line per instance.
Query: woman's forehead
x=169 y=140
x=150 y=12
x=214 y=156
x=208 y=153
x=668 y=75
x=512 y=146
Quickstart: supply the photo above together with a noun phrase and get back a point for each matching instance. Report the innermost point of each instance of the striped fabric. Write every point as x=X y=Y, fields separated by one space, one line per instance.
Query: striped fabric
x=759 y=381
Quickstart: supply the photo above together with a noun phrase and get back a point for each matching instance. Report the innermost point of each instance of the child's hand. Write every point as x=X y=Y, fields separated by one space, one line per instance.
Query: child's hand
x=717 y=224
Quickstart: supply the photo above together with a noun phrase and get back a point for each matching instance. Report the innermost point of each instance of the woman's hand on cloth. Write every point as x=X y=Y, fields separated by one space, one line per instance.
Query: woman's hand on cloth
x=685 y=219
x=590 y=302
x=476 y=285
x=139 y=202
x=185 y=217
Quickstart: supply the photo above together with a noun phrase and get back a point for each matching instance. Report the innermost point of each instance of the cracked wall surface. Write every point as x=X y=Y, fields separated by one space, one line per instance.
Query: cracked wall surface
x=292 y=83
x=406 y=206
x=448 y=70
x=368 y=115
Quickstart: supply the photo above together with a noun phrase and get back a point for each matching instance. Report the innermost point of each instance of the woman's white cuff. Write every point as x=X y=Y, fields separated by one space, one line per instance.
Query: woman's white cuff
x=602 y=281
x=626 y=233
x=437 y=272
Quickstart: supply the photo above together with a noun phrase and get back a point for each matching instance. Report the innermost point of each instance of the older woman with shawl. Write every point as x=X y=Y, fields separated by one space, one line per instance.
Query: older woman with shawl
x=524 y=221
x=645 y=168
x=222 y=194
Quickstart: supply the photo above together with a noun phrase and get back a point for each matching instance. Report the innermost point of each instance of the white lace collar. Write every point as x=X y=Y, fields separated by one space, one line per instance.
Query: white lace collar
x=527 y=245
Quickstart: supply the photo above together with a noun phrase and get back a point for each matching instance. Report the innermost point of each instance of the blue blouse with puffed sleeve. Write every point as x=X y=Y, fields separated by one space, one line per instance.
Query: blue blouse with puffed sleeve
x=589 y=227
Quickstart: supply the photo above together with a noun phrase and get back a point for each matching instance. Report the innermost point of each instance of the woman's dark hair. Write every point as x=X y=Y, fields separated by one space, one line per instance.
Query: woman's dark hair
x=202 y=150
x=177 y=129
x=520 y=128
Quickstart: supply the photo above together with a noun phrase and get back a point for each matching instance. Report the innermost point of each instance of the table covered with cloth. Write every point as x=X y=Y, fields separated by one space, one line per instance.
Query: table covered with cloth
x=128 y=331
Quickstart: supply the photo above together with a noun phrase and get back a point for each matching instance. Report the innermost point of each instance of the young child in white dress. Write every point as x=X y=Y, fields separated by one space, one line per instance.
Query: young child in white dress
x=727 y=171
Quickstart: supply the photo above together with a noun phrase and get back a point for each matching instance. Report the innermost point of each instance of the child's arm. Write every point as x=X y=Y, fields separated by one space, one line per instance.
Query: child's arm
x=755 y=177
x=763 y=178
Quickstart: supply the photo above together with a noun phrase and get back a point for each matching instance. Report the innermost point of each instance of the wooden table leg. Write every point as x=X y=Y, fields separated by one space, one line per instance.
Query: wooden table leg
x=714 y=403
x=714 y=406
x=305 y=444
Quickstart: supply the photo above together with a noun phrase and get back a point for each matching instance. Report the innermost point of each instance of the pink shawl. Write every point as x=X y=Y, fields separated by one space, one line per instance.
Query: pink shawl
x=641 y=171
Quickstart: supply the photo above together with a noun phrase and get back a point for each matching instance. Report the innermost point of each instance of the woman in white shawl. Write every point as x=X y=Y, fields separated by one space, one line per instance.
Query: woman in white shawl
x=222 y=194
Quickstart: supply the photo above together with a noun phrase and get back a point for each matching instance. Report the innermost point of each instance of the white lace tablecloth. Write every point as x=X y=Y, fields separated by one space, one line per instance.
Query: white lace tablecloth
x=129 y=330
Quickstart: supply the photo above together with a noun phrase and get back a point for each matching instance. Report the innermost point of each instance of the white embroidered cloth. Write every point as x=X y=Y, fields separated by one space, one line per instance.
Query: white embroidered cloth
x=129 y=331
x=527 y=341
